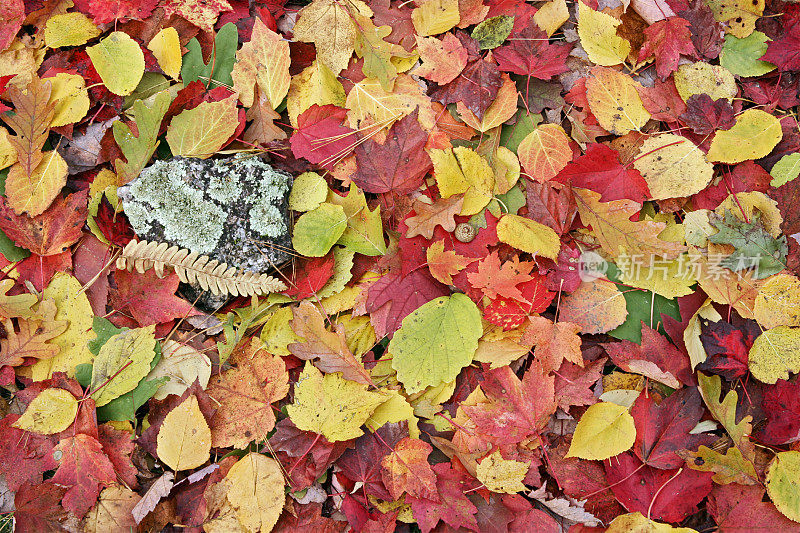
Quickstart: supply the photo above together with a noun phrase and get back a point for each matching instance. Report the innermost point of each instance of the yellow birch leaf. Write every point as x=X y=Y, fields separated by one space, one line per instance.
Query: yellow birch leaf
x=544 y=152
x=775 y=353
x=330 y=405
x=183 y=365
x=739 y=15
x=166 y=47
x=638 y=523
x=69 y=29
x=783 y=483
x=778 y=302
x=329 y=25
x=529 y=236
x=68 y=92
x=256 y=491
x=73 y=306
x=702 y=78
x=395 y=409
x=604 y=430
x=8 y=154
x=278 y=334
x=184 y=439
x=502 y=475
x=615 y=101
x=263 y=61
x=502 y=109
x=754 y=135
x=672 y=166
x=597 y=307
x=551 y=16
x=663 y=277
x=433 y=17
x=462 y=170
x=201 y=131
x=315 y=85
x=119 y=61
x=598 y=34
x=33 y=194
x=52 y=411
x=309 y=190
x=370 y=104
x=122 y=362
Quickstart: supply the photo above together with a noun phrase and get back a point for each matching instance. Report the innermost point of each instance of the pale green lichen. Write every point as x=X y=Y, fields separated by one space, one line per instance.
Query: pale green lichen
x=164 y=195
x=224 y=188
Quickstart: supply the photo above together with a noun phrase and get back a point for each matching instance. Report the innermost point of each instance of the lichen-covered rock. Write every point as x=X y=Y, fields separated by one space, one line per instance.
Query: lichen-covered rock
x=233 y=210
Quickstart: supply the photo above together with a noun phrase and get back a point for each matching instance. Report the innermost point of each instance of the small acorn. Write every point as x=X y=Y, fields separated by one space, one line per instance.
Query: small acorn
x=464 y=232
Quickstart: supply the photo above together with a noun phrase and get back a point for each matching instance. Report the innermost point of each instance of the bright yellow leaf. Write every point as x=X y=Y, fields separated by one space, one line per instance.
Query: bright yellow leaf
x=119 y=61
x=702 y=78
x=201 y=131
x=638 y=523
x=502 y=475
x=309 y=190
x=433 y=17
x=166 y=47
x=462 y=170
x=264 y=61
x=52 y=411
x=775 y=353
x=33 y=194
x=754 y=135
x=184 y=439
x=330 y=405
x=604 y=430
x=598 y=34
x=673 y=166
x=615 y=101
x=529 y=236
x=369 y=104
x=551 y=16
x=395 y=409
x=315 y=85
x=68 y=92
x=256 y=491
x=778 y=302
x=739 y=15
x=69 y=29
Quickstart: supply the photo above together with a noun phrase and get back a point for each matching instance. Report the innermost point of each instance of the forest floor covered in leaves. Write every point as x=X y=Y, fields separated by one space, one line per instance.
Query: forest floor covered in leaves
x=384 y=265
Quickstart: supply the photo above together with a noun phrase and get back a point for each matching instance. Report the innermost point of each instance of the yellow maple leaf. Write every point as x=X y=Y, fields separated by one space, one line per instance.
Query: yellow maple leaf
x=598 y=34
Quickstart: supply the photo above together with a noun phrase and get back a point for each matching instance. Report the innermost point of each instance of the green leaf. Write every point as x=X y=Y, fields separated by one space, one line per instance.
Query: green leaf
x=138 y=149
x=11 y=251
x=121 y=363
x=364 y=231
x=785 y=170
x=104 y=330
x=755 y=248
x=435 y=342
x=492 y=32
x=319 y=229
x=220 y=66
x=640 y=303
x=741 y=56
x=511 y=136
x=124 y=407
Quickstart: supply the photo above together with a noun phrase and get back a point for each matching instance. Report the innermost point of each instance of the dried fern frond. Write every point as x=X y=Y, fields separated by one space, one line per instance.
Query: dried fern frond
x=210 y=275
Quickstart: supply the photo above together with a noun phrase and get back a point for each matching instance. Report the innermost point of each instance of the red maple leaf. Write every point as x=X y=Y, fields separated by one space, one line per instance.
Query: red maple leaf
x=667 y=40
x=84 y=469
x=150 y=299
x=553 y=206
x=510 y=313
x=453 y=507
x=784 y=52
x=705 y=115
x=104 y=11
x=362 y=463
x=728 y=346
x=37 y=507
x=310 y=276
x=515 y=409
x=741 y=508
x=663 y=429
x=118 y=446
x=573 y=383
x=668 y=495
x=706 y=31
x=654 y=351
x=662 y=100
x=24 y=456
x=321 y=136
x=744 y=177
x=397 y=15
x=600 y=170
x=781 y=404
x=112 y=224
x=494 y=279
x=406 y=470
x=399 y=164
x=530 y=54
x=39 y=270
x=50 y=233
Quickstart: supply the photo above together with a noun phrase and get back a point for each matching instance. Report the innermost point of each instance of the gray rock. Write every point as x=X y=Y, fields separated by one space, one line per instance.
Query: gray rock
x=234 y=210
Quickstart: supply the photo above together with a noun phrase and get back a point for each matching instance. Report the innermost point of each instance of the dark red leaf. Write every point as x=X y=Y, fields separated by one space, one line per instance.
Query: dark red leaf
x=705 y=115
x=727 y=346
